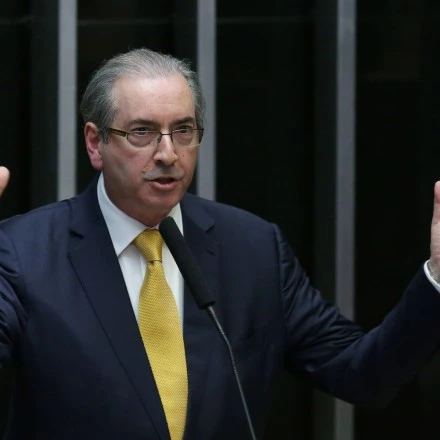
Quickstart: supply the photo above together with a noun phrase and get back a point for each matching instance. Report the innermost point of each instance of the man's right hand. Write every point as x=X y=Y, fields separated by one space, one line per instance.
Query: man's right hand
x=4 y=178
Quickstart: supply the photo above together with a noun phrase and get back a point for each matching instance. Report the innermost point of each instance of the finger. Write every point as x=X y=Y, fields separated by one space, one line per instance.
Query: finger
x=436 y=213
x=4 y=178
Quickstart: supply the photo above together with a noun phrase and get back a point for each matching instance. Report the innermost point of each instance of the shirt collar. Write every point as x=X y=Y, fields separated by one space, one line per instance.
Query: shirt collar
x=124 y=229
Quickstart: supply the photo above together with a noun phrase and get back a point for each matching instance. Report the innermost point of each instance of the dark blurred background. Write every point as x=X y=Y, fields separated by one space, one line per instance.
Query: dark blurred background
x=278 y=134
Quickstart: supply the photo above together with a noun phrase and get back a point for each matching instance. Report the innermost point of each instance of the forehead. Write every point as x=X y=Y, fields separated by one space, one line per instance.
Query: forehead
x=155 y=99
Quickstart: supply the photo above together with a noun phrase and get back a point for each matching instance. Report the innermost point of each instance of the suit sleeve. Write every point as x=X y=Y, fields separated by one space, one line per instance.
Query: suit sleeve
x=342 y=359
x=11 y=310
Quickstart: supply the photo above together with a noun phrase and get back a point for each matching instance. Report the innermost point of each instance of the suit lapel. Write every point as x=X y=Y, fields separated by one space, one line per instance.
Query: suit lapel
x=199 y=332
x=95 y=262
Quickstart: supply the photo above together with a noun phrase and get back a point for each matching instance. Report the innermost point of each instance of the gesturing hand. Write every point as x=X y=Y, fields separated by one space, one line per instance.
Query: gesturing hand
x=434 y=261
x=4 y=178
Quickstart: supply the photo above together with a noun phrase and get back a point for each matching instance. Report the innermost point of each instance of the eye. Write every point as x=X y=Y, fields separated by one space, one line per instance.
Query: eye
x=140 y=131
x=184 y=129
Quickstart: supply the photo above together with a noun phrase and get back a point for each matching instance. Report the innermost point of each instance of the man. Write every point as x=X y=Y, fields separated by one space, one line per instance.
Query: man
x=95 y=359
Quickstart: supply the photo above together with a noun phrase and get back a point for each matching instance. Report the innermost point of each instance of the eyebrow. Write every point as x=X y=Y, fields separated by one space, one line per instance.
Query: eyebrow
x=149 y=122
x=183 y=120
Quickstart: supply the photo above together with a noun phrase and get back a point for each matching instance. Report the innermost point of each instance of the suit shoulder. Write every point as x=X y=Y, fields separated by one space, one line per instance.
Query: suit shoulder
x=226 y=213
x=32 y=219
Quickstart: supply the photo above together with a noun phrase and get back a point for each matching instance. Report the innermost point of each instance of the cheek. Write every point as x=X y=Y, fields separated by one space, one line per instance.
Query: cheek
x=188 y=162
x=125 y=163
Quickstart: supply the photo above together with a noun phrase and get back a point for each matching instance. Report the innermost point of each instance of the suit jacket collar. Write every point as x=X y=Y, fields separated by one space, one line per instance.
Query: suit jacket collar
x=95 y=262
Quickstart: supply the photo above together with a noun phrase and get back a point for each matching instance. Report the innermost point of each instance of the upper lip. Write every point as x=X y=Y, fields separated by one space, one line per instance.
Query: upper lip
x=151 y=178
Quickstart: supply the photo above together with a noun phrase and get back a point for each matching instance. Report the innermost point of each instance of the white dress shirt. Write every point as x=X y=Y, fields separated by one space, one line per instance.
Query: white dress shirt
x=123 y=230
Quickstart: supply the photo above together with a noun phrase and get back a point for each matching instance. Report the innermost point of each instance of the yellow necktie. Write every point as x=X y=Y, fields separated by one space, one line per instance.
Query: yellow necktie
x=162 y=335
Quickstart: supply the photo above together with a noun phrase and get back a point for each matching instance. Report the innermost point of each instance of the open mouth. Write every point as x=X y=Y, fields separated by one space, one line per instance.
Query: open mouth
x=164 y=180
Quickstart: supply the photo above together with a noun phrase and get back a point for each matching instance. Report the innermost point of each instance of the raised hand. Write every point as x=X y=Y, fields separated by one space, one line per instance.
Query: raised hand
x=4 y=178
x=434 y=261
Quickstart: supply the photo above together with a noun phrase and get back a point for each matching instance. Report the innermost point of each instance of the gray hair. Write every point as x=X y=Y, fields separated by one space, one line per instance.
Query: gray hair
x=98 y=104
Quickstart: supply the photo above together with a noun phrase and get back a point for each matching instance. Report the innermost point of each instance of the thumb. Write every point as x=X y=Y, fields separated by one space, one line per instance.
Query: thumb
x=4 y=178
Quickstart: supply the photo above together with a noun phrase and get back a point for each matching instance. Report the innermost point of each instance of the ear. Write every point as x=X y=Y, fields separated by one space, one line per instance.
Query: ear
x=93 y=144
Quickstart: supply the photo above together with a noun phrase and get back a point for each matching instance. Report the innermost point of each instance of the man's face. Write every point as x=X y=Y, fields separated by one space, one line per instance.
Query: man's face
x=146 y=182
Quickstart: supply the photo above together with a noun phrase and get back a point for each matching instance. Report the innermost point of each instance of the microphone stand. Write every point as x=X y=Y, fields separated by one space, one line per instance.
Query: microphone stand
x=210 y=310
x=200 y=291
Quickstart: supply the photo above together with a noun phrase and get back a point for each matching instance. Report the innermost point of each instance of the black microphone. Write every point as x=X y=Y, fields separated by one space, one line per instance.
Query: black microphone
x=192 y=274
x=186 y=262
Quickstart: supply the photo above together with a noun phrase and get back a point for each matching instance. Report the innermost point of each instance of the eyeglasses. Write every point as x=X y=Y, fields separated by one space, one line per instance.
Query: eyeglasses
x=181 y=138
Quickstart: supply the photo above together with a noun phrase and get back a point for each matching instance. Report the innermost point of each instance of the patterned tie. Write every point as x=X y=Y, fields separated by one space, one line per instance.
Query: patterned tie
x=162 y=335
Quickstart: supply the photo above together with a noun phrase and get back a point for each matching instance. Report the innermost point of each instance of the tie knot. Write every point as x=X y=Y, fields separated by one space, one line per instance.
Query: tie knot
x=149 y=243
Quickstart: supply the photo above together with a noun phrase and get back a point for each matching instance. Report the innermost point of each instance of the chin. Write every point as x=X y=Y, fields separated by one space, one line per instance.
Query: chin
x=164 y=206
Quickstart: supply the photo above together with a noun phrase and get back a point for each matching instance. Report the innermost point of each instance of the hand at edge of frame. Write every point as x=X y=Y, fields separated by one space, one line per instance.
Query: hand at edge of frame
x=4 y=178
x=434 y=261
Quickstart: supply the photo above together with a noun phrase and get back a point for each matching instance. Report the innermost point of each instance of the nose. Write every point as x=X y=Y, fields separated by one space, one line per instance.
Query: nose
x=165 y=151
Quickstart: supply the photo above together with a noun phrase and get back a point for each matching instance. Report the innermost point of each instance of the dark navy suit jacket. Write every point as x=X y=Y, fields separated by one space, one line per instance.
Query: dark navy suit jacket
x=68 y=328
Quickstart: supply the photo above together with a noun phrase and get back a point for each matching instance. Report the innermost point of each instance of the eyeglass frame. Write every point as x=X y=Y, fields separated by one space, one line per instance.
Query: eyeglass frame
x=125 y=134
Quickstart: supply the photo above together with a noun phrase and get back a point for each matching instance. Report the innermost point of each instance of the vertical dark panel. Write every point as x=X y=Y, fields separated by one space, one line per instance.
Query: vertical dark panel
x=265 y=107
x=325 y=183
x=325 y=145
x=184 y=31
x=44 y=104
x=265 y=142
x=14 y=94
x=391 y=163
